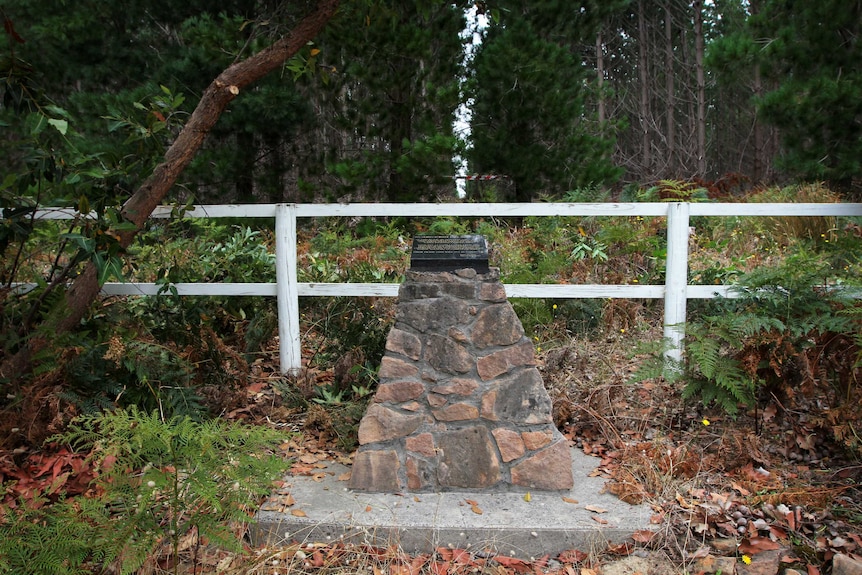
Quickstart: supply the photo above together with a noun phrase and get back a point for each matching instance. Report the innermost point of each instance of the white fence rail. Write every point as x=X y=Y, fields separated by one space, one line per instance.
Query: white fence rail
x=675 y=292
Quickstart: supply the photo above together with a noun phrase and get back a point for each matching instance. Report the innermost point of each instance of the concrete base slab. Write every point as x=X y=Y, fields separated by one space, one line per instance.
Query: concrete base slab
x=325 y=511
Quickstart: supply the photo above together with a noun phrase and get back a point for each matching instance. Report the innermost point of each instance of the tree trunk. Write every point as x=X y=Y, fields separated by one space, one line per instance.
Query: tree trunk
x=246 y=153
x=759 y=146
x=670 y=105
x=137 y=209
x=600 y=76
x=701 y=88
x=759 y=143
x=643 y=79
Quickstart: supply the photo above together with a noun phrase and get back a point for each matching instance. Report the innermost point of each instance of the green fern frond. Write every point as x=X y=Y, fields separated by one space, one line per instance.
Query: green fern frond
x=64 y=538
x=159 y=479
x=704 y=353
x=733 y=381
x=748 y=325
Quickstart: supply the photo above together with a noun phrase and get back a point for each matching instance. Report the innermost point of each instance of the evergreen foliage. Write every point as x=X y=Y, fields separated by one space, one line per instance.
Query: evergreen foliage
x=818 y=103
x=715 y=374
x=158 y=480
x=367 y=112
x=194 y=475
x=391 y=88
x=98 y=62
x=732 y=85
x=774 y=333
x=529 y=90
x=69 y=537
x=134 y=373
x=811 y=60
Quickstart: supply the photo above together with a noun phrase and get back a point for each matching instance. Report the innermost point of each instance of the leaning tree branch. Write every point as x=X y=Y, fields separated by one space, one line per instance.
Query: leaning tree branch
x=228 y=85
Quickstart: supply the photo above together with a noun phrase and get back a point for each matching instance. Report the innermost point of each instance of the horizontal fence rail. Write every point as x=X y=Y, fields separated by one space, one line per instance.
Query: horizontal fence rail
x=287 y=289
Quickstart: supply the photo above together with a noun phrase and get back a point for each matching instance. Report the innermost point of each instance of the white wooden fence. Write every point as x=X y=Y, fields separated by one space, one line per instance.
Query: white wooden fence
x=288 y=290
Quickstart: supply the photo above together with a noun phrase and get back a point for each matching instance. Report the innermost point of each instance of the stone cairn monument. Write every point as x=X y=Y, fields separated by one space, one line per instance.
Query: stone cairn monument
x=460 y=403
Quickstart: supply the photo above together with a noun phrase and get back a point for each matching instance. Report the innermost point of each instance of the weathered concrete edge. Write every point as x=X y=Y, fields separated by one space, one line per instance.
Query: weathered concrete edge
x=420 y=524
x=275 y=529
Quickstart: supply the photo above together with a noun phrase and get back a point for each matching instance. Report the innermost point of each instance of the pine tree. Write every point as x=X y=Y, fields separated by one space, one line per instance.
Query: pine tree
x=106 y=60
x=529 y=87
x=388 y=98
x=741 y=141
x=813 y=51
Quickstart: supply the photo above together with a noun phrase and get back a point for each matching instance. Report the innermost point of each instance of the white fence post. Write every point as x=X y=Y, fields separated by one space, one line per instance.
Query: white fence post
x=676 y=278
x=290 y=353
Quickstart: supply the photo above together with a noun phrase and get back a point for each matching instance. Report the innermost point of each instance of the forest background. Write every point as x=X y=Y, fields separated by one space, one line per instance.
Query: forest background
x=562 y=96
x=625 y=100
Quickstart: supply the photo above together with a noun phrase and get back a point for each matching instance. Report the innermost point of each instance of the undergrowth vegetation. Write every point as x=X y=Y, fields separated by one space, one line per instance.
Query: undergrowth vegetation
x=155 y=483
x=137 y=386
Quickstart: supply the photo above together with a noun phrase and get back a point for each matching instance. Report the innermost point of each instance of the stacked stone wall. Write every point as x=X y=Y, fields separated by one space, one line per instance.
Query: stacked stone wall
x=461 y=404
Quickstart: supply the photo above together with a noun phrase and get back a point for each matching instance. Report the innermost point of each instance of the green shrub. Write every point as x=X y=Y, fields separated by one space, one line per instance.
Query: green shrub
x=449 y=225
x=158 y=480
x=782 y=322
x=586 y=194
x=68 y=537
x=714 y=373
x=536 y=316
x=582 y=317
x=673 y=191
x=204 y=251
x=343 y=325
x=177 y=355
x=201 y=476
x=131 y=373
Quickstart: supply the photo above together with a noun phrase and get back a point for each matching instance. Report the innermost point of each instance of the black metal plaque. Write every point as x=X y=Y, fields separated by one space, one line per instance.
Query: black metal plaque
x=433 y=253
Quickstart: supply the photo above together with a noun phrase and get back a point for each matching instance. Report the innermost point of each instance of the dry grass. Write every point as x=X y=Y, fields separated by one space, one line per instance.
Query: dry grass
x=787 y=229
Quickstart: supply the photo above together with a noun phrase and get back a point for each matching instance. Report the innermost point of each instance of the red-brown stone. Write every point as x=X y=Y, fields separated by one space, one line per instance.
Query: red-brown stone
x=398 y=392
x=509 y=443
x=436 y=400
x=457 y=386
x=423 y=444
x=392 y=367
x=549 y=469
x=489 y=400
x=458 y=335
x=457 y=412
x=534 y=440
x=499 y=362
x=417 y=473
x=382 y=424
x=375 y=471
